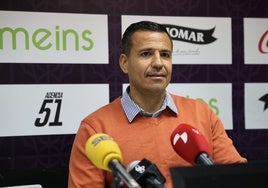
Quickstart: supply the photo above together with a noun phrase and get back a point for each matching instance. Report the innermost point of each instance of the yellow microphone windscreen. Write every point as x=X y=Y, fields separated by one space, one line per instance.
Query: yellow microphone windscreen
x=101 y=149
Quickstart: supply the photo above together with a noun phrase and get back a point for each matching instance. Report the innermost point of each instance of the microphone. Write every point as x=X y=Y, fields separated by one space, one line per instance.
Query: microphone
x=146 y=174
x=191 y=145
x=104 y=153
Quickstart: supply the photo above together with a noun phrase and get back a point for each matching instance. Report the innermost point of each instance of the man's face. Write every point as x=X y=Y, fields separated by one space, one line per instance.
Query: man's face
x=149 y=64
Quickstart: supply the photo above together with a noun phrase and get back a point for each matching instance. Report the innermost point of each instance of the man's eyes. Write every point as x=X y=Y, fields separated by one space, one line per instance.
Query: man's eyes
x=145 y=54
x=148 y=53
x=165 y=54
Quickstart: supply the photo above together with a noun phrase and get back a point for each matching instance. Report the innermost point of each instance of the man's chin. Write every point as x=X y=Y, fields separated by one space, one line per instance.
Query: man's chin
x=156 y=89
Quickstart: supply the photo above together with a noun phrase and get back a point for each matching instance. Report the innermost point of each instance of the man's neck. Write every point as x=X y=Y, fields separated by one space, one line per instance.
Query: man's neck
x=149 y=102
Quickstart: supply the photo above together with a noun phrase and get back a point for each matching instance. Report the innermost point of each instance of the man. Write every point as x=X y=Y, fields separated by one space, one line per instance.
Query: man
x=142 y=120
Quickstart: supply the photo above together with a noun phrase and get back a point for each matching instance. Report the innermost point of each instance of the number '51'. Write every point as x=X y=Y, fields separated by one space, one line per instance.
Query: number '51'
x=47 y=112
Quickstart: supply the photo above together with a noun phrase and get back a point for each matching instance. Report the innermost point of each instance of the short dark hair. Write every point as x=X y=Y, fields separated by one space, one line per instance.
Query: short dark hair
x=140 y=26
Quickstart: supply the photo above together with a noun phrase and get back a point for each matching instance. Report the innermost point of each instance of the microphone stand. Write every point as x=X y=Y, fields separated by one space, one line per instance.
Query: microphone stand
x=117 y=183
x=153 y=183
x=204 y=159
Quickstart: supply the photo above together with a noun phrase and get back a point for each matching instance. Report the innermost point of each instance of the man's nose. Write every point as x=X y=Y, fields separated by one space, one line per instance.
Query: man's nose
x=156 y=60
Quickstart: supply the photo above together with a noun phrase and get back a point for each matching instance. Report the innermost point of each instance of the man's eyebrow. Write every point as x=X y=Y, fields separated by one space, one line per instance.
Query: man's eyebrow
x=151 y=49
x=165 y=50
x=146 y=49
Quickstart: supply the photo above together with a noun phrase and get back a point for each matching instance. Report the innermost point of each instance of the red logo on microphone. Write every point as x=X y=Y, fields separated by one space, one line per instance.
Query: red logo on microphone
x=263 y=43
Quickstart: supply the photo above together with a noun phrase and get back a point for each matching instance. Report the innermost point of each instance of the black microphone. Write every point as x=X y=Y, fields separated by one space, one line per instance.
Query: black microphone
x=146 y=174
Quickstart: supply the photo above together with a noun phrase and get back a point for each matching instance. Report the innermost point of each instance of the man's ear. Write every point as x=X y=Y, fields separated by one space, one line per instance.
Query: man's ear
x=123 y=62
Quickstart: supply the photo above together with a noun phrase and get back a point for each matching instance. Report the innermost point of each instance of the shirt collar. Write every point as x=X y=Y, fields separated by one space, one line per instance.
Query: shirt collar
x=131 y=109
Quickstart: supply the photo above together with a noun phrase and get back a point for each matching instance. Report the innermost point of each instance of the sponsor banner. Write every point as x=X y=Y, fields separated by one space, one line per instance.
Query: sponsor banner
x=217 y=96
x=38 y=37
x=256 y=105
x=48 y=109
x=196 y=40
x=256 y=40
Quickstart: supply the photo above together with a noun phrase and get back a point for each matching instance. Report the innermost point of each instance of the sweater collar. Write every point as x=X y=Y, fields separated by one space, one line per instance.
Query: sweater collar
x=131 y=109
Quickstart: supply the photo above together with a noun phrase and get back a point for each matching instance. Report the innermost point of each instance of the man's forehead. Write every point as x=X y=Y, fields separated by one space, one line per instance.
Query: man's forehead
x=148 y=32
x=152 y=40
x=156 y=49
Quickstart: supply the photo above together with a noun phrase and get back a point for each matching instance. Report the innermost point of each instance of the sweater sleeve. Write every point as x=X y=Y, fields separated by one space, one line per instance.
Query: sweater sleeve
x=82 y=172
x=223 y=149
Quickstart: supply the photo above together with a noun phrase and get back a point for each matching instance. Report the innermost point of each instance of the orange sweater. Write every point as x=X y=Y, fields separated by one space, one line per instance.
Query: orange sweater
x=148 y=138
